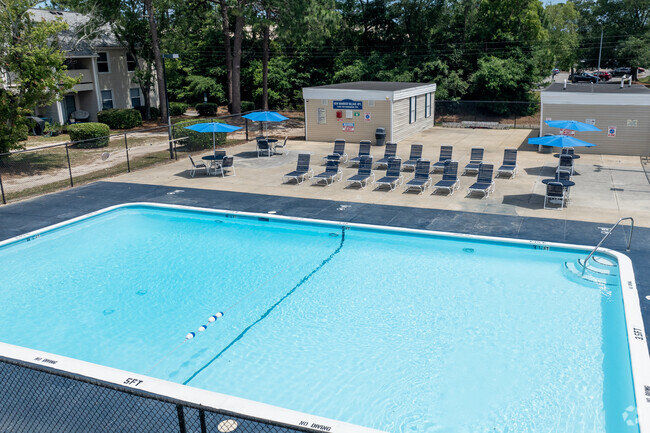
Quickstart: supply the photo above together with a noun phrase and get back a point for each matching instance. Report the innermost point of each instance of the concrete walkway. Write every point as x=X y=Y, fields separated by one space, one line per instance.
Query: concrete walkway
x=607 y=187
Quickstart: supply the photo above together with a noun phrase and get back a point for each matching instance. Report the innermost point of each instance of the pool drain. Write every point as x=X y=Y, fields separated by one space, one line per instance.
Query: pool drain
x=468 y=250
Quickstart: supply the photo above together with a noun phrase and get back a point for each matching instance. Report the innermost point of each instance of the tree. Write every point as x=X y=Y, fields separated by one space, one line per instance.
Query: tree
x=32 y=72
x=562 y=24
x=636 y=51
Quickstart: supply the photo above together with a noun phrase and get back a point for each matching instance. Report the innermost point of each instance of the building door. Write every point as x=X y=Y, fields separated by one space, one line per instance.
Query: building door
x=70 y=106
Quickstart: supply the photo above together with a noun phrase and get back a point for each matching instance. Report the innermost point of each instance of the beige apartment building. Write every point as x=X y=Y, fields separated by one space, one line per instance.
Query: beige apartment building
x=104 y=65
x=353 y=111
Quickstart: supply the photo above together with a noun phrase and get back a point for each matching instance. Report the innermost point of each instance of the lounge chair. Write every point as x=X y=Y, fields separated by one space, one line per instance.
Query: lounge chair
x=565 y=164
x=389 y=152
x=224 y=165
x=263 y=146
x=445 y=155
x=364 y=173
x=394 y=176
x=302 y=169
x=197 y=166
x=484 y=182
x=509 y=163
x=330 y=174
x=339 y=149
x=415 y=156
x=422 y=179
x=364 y=151
x=475 y=160
x=554 y=194
x=449 y=178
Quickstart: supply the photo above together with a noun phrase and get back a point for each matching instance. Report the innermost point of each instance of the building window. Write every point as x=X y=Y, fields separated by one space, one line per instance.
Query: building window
x=107 y=99
x=323 y=101
x=412 y=108
x=371 y=103
x=427 y=105
x=136 y=99
x=102 y=62
x=130 y=62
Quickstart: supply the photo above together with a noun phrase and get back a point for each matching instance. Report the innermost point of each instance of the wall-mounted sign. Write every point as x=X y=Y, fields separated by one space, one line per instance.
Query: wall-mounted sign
x=611 y=131
x=548 y=119
x=322 y=116
x=347 y=104
x=591 y=122
x=357 y=114
x=567 y=132
x=348 y=114
x=632 y=123
x=348 y=127
x=367 y=116
x=339 y=115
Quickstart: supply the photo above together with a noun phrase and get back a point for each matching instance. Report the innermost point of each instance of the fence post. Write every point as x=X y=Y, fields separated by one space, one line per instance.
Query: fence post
x=67 y=154
x=515 y=119
x=126 y=146
x=204 y=428
x=4 y=201
x=246 y=129
x=181 y=419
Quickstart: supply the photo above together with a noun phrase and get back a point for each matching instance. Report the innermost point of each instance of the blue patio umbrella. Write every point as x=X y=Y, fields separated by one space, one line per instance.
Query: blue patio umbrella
x=559 y=141
x=213 y=127
x=265 y=116
x=573 y=125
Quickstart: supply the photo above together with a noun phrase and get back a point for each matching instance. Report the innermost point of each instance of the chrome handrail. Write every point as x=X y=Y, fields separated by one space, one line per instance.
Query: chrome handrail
x=629 y=242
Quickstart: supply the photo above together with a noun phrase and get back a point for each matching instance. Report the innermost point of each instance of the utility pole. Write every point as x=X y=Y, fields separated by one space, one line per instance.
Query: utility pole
x=169 y=117
x=600 y=51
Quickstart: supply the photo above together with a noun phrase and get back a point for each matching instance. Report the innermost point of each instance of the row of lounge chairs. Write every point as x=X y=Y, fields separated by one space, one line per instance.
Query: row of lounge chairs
x=394 y=176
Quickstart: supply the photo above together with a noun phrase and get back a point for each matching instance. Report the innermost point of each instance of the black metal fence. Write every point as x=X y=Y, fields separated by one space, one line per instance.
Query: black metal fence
x=40 y=399
x=487 y=114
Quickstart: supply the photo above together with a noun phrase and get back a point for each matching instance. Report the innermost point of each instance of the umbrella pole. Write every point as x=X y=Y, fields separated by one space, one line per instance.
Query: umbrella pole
x=214 y=145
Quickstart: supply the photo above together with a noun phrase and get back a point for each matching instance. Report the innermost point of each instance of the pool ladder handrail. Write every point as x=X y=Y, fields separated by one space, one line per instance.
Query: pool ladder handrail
x=629 y=242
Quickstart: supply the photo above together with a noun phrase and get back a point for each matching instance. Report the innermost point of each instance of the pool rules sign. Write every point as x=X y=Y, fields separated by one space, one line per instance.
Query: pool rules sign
x=611 y=131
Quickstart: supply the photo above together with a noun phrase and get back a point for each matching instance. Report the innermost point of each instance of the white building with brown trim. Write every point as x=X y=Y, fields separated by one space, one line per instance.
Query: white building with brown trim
x=105 y=67
x=621 y=113
x=353 y=111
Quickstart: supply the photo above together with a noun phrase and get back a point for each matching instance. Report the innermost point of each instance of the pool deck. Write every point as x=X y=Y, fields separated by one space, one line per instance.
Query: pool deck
x=607 y=188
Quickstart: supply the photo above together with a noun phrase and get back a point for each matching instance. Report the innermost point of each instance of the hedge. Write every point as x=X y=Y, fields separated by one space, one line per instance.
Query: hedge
x=207 y=109
x=197 y=140
x=120 y=118
x=86 y=131
x=247 y=106
x=154 y=111
x=177 y=108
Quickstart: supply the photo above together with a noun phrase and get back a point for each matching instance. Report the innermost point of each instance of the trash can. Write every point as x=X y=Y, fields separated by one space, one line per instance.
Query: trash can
x=380 y=136
x=545 y=149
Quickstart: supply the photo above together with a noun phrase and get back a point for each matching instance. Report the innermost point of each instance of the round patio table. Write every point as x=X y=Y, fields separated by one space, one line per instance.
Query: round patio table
x=565 y=183
x=574 y=156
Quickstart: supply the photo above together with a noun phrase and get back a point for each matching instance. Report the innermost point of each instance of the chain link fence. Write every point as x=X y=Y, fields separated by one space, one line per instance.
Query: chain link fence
x=44 y=400
x=487 y=114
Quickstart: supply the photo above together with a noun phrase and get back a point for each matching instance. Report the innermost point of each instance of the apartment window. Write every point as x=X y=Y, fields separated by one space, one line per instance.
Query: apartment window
x=427 y=105
x=107 y=99
x=102 y=62
x=136 y=98
x=130 y=62
x=412 y=108
x=371 y=103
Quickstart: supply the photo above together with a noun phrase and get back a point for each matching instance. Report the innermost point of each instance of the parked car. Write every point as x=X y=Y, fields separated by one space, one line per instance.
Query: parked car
x=619 y=72
x=603 y=75
x=555 y=71
x=583 y=76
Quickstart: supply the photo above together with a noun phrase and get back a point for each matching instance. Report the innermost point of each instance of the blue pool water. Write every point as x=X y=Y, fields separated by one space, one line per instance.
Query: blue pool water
x=397 y=332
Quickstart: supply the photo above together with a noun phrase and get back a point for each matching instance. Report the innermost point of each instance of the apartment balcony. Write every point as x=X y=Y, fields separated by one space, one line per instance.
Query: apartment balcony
x=87 y=82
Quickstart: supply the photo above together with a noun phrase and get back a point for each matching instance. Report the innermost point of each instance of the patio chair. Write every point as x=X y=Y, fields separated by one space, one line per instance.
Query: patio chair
x=445 y=155
x=421 y=180
x=197 y=166
x=339 y=149
x=554 y=194
x=389 y=152
x=225 y=165
x=364 y=152
x=449 y=178
x=394 y=176
x=281 y=146
x=302 y=169
x=332 y=171
x=564 y=175
x=509 y=165
x=263 y=146
x=567 y=151
x=565 y=164
x=364 y=173
x=484 y=182
x=415 y=156
x=475 y=160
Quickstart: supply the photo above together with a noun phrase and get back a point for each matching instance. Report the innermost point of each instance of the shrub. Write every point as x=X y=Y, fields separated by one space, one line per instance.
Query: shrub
x=154 y=111
x=247 y=106
x=207 y=109
x=197 y=140
x=177 y=108
x=87 y=131
x=120 y=118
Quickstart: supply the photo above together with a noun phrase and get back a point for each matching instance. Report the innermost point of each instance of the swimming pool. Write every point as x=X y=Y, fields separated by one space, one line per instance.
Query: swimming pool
x=393 y=330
